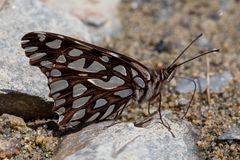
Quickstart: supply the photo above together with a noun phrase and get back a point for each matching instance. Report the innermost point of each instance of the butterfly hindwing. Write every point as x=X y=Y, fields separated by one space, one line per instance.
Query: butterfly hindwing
x=87 y=82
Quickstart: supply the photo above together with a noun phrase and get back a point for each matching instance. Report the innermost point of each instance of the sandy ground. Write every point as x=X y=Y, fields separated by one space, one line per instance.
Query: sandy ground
x=144 y=25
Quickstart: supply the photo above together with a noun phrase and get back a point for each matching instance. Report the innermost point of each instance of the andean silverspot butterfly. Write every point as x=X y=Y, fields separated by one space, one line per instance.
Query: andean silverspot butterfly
x=90 y=83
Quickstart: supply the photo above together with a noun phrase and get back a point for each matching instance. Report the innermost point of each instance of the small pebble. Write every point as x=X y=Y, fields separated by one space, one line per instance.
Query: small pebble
x=232 y=134
x=182 y=102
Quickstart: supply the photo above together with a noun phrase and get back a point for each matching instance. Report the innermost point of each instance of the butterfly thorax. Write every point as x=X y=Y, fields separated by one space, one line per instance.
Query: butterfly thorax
x=152 y=88
x=159 y=77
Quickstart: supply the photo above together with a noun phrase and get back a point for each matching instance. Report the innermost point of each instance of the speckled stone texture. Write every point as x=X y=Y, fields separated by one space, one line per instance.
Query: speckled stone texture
x=23 y=87
x=125 y=141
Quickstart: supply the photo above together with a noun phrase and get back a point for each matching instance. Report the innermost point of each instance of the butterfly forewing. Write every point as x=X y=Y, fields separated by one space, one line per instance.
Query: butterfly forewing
x=87 y=82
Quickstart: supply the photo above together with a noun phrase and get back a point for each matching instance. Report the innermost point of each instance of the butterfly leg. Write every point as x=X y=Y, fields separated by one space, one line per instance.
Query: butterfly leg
x=120 y=112
x=165 y=124
x=189 y=105
x=146 y=120
x=194 y=91
x=117 y=116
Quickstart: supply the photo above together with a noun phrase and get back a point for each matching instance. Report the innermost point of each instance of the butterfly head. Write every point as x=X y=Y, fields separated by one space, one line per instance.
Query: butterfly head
x=166 y=74
x=170 y=73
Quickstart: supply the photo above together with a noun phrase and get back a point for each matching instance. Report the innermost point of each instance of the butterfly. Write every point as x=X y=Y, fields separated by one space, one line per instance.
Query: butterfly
x=90 y=83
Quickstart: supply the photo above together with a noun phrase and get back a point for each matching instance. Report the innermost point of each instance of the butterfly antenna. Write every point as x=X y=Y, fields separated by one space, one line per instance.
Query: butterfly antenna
x=189 y=45
x=200 y=55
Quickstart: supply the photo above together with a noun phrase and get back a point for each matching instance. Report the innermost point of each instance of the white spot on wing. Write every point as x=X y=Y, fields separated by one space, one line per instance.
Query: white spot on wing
x=80 y=102
x=55 y=44
x=61 y=59
x=31 y=49
x=96 y=67
x=113 y=54
x=55 y=73
x=83 y=74
x=56 y=95
x=25 y=41
x=60 y=111
x=78 y=90
x=36 y=56
x=144 y=71
x=124 y=93
x=58 y=86
x=78 y=65
x=59 y=102
x=46 y=64
x=93 y=117
x=60 y=118
x=108 y=112
x=77 y=42
x=140 y=82
x=121 y=69
x=75 y=52
x=74 y=123
x=78 y=115
x=112 y=83
x=41 y=37
x=59 y=36
x=104 y=58
x=134 y=72
x=99 y=103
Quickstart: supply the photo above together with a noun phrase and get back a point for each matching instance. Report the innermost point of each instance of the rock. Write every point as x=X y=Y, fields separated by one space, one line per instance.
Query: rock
x=100 y=16
x=232 y=134
x=166 y=10
x=217 y=83
x=23 y=88
x=187 y=86
x=163 y=46
x=182 y=102
x=45 y=142
x=13 y=121
x=8 y=123
x=8 y=148
x=125 y=141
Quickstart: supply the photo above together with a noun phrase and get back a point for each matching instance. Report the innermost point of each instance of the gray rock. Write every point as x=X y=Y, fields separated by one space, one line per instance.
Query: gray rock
x=21 y=85
x=100 y=16
x=217 y=83
x=9 y=148
x=125 y=141
x=232 y=134
x=182 y=102
x=187 y=86
x=166 y=10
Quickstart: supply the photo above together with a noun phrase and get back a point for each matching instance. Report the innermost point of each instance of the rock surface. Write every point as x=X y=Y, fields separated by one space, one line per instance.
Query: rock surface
x=125 y=141
x=231 y=134
x=21 y=85
x=100 y=16
x=217 y=82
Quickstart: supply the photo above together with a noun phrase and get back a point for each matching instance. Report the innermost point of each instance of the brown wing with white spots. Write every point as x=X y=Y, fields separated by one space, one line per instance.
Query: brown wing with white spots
x=87 y=82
